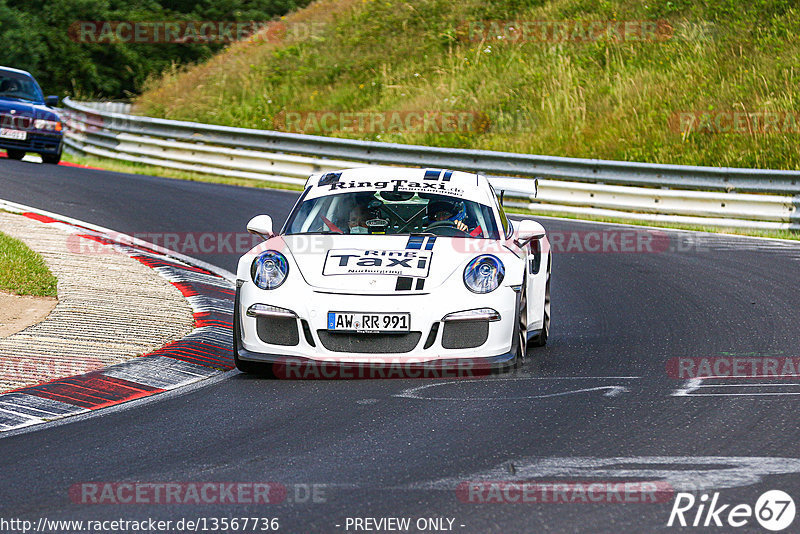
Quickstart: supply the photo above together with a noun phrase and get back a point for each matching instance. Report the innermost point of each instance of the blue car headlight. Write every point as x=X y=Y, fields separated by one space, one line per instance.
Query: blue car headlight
x=269 y=269
x=484 y=274
x=42 y=124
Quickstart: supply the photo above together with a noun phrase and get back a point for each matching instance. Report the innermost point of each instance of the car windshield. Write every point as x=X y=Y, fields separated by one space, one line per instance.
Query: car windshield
x=393 y=213
x=21 y=87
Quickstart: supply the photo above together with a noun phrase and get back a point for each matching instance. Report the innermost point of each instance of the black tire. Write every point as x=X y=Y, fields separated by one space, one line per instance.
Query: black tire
x=541 y=339
x=15 y=154
x=521 y=330
x=253 y=368
x=51 y=159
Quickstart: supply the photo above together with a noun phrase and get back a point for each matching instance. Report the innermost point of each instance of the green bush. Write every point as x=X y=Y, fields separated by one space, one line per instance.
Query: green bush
x=35 y=36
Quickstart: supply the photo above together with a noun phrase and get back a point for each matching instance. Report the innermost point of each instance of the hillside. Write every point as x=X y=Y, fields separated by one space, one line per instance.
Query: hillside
x=553 y=84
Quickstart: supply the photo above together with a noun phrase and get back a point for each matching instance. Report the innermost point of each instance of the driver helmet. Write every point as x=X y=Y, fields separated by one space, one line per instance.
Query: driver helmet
x=455 y=210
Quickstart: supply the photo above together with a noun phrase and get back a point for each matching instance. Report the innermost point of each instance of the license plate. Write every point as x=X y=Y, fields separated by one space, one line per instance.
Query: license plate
x=8 y=133
x=369 y=323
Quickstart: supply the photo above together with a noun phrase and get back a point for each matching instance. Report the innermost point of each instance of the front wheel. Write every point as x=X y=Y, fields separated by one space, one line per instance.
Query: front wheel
x=541 y=339
x=15 y=154
x=522 y=329
x=51 y=159
x=255 y=368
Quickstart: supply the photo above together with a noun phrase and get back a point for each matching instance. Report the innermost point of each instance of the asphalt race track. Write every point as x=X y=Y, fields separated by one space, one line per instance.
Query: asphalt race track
x=597 y=404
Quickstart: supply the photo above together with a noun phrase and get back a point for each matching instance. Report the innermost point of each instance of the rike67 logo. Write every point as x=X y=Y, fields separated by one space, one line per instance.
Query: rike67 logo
x=774 y=510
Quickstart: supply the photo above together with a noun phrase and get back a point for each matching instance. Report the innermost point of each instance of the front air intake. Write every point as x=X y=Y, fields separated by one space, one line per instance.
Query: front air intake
x=278 y=330
x=465 y=334
x=369 y=343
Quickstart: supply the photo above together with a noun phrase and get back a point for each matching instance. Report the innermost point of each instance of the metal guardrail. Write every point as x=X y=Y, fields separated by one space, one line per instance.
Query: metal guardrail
x=710 y=196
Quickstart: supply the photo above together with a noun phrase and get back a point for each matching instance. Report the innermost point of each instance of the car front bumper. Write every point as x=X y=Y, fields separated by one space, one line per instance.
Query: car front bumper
x=303 y=337
x=41 y=143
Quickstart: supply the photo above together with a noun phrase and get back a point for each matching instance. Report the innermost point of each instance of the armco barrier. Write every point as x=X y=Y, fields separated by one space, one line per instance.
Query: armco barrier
x=709 y=196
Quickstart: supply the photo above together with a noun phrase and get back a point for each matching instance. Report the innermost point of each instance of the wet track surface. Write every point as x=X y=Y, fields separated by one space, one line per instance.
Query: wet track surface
x=599 y=403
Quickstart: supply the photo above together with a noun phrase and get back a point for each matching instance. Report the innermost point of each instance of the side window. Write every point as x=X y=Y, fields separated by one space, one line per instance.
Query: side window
x=507 y=230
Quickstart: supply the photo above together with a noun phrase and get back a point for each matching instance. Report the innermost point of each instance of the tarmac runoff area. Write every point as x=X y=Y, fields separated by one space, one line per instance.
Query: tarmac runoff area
x=111 y=308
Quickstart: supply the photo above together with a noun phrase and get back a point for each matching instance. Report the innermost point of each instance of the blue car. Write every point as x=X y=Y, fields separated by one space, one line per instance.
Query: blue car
x=28 y=122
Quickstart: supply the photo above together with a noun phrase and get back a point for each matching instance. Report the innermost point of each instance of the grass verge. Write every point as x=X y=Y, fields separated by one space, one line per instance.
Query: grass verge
x=773 y=234
x=163 y=172
x=23 y=271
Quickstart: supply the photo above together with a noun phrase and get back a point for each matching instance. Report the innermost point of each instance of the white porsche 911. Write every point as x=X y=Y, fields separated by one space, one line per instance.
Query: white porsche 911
x=380 y=264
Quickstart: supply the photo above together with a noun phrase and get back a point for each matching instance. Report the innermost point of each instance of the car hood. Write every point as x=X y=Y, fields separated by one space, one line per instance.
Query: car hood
x=376 y=264
x=24 y=112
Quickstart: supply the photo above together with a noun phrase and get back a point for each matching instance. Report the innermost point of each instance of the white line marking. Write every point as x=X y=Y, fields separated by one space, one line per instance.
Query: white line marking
x=682 y=473
x=692 y=389
x=414 y=393
x=745 y=385
x=523 y=377
x=729 y=377
x=774 y=393
x=688 y=387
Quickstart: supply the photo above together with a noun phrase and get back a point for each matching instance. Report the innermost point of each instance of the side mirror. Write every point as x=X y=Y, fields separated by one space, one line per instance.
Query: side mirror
x=527 y=231
x=261 y=225
x=51 y=101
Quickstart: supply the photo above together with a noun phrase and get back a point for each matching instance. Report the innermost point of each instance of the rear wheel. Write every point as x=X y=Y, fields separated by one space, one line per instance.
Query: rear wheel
x=15 y=154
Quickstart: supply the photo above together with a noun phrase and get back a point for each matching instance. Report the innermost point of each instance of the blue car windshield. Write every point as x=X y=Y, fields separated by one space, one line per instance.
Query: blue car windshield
x=393 y=213
x=20 y=87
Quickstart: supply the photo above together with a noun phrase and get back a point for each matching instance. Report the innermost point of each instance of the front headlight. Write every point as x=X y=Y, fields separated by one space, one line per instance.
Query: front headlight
x=41 y=124
x=269 y=269
x=484 y=274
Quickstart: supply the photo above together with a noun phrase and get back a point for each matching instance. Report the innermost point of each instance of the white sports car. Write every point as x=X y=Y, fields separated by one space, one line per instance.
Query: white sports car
x=380 y=264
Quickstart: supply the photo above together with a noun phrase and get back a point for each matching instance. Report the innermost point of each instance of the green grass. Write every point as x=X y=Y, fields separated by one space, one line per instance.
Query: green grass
x=149 y=170
x=22 y=271
x=602 y=99
x=773 y=234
